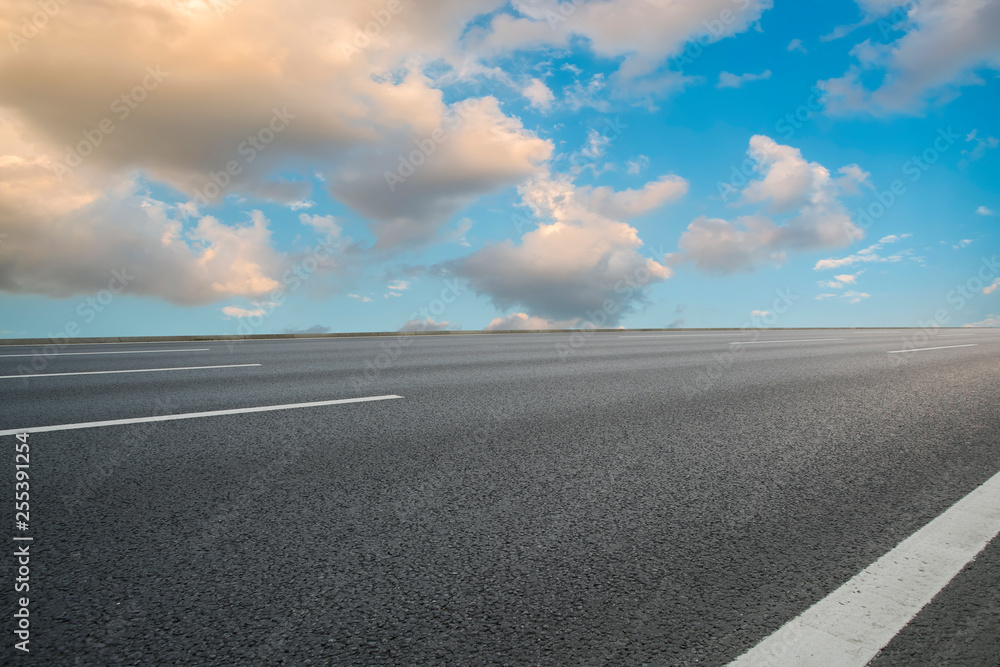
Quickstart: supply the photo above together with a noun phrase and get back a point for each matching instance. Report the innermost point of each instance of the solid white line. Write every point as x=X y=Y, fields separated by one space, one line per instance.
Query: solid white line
x=921 y=349
x=849 y=626
x=193 y=415
x=799 y=340
x=69 y=354
x=134 y=370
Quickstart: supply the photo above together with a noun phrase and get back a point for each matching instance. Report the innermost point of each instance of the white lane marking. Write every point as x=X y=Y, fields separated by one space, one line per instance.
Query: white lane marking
x=69 y=354
x=133 y=370
x=798 y=340
x=921 y=349
x=849 y=626
x=194 y=415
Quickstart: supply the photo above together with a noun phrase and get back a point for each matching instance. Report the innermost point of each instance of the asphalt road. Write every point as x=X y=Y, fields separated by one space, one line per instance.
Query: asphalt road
x=603 y=499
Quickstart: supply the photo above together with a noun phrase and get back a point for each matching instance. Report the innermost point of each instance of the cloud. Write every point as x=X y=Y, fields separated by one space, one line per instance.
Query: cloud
x=427 y=324
x=962 y=244
x=578 y=259
x=990 y=321
x=72 y=236
x=945 y=43
x=637 y=165
x=315 y=329
x=865 y=255
x=525 y=322
x=850 y=296
x=979 y=148
x=641 y=35
x=839 y=282
x=802 y=191
x=728 y=80
x=410 y=188
x=358 y=297
x=538 y=94
x=989 y=289
x=982 y=210
x=262 y=103
x=760 y=313
x=796 y=45
x=232 y=312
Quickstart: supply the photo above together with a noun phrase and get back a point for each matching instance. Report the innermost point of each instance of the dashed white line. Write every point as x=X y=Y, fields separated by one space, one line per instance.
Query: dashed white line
x=132 y=370
x=797 y=340
x=849 y=627
x=70 y=354
x=923 y=349
x=193 y=415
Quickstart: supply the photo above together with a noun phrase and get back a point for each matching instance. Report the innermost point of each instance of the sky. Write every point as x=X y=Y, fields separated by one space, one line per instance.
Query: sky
x=230 y=167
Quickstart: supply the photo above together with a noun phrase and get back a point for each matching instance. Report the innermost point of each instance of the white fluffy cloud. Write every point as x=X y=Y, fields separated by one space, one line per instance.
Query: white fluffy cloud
x=259 y=100
x=643 y=34
x=538 y=94
x=579 y=260
x=802 y=191
x=944 y=43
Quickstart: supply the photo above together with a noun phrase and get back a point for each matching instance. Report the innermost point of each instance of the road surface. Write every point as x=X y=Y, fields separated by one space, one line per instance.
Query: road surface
x=536 y=499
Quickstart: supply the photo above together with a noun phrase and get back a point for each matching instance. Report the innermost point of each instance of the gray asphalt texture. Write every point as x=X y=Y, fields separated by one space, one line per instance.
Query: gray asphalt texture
x=603 y=499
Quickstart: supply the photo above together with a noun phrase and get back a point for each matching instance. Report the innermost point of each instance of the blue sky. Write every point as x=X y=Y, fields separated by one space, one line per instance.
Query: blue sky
x=499 y=165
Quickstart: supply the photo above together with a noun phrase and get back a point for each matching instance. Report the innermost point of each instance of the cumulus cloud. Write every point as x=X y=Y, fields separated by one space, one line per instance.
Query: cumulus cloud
x=644 y=35
x=982 y=210
x=411 y=187
x=538 y=94
x=579 y=259
x=944 y=43
x=262 y=103
x=729 y=80
x=525 y=322
x=989 y=289
x=802 y=191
